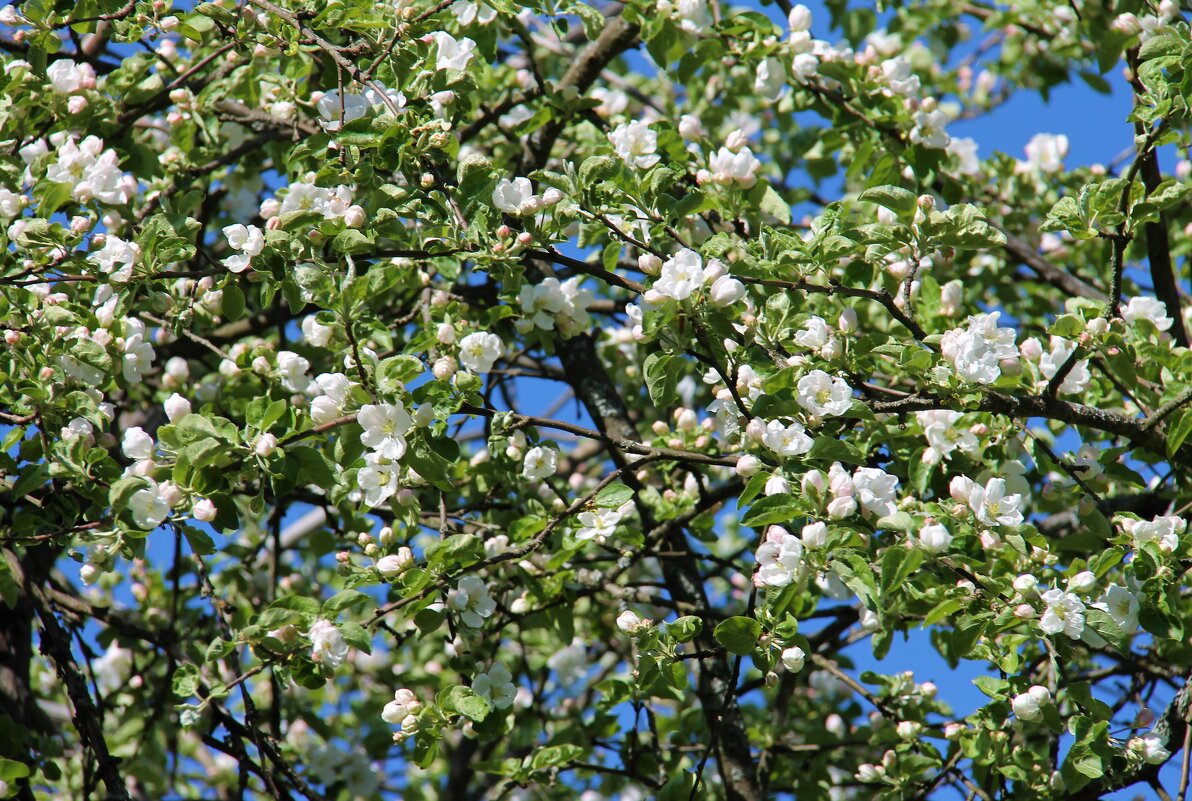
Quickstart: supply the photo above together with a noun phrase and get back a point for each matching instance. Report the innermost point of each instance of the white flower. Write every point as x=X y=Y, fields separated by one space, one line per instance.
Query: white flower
x=1029 y=705
x=540 y=462
x=468 y=12
x=728 y=167
x=148 y=507
x=327 y=645
x=789 y=440
x=569 y=663
x=682 y=274
x=1045 y=152
x=799 y=18
x=815 y=333
x=385 y=426
x=726 y=291
x=598 y=523
x=94 y=173
x=265 y=445
x=814 y=535
x=516 y=197
x=471 y=600
x=1164 y=530
x=612 y=101
x=496 y=686
x=929 y=129
x=824 y=395
x=875 y=490
x=1077 y=379
x=1150 y=749
x=770 y=78
x=779 y=559
x=452 y=53
x=793 y=658
x=11 y=203
x=315 y=333
x=292 y=369
x=78 y=427
x=977 y=351
x=993 y=506
x=693 y=15
x=138 y=354
x=111 y=670
x=629 y=622
x=247 y=240
x=117 y=258
x=942 y=433
x=67 y=77
x=900 y=76
x=378 y=479
x=1064 y=614
x=804 y=67
x=964 y=150
x=204 y=510
x=935 y=538
x=1121 y=605
x=479 y=350
x=176 y=407
x=404 y=704
x=636 y=143
x=1149 y=309
x=136 y=444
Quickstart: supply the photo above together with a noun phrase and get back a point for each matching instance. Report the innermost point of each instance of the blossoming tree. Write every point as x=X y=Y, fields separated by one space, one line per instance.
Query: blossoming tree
x=517 y=400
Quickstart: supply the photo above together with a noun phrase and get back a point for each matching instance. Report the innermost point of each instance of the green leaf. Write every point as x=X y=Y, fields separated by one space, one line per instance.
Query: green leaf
x=1178 y=431
x=678 y=788
x=685 y=629
x=11 y=770
x=772 y=509
x=835 y=450
x=343 y=600
x=233 y=302
x=898 y=200
x=738 y=635
x=897 y=564
x=464 y=701
x=186 y=680
x=554 y=755
x=614 y=495
x=772 y=203
x=661 y=379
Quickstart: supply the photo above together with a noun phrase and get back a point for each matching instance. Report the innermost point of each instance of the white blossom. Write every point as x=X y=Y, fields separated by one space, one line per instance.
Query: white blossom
x=452 y=53
x=993 y=506
x=378 y=479
x=292 y=369
x=478 y=351
x=876 y=490
x=327 y=644
x=728 y=167
x=935 y=538
x=1164 y=530
x=1149 y=309
x=900 y=76
x=1077 y=379
x=779 y=559
x=516 y=197
x=786 y=440
x=978 y=350
x=1028 y=706
x=824 y=395
x=176 y=407
x=598 y=523
x=117 y=258
x=1121 y=605
x=793 y=658
x=1064 y=614
x=385 y=426
x=472 y=601
x=136 y=444
x=247 y=240
x=496 y=686
x=148 y=507
x=636 y=143
x=540 y=462
x=1045 y=152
